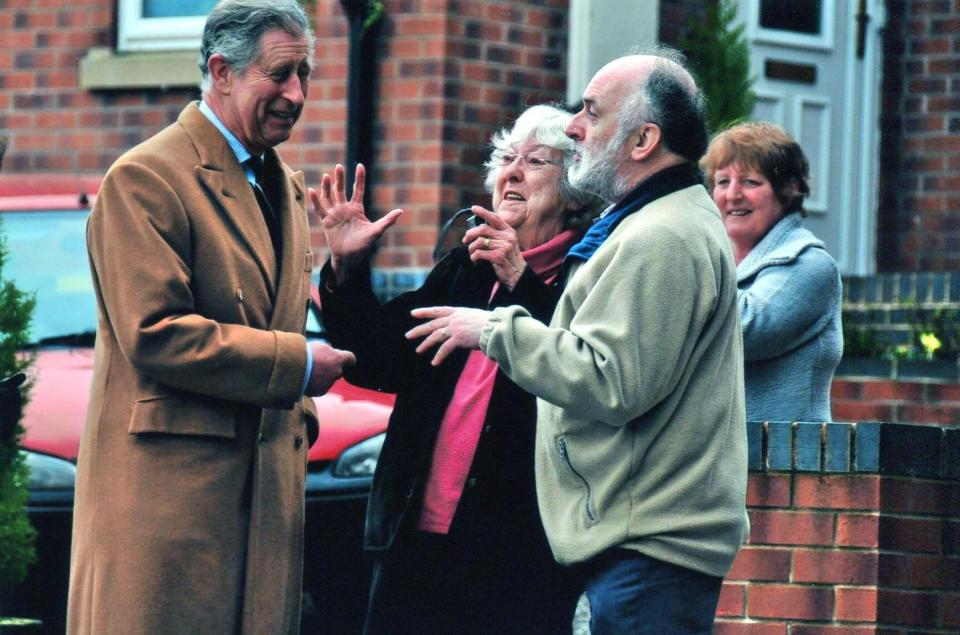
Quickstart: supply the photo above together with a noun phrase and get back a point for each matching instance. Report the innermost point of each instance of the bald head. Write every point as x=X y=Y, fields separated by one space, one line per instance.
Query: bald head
x=658 y=89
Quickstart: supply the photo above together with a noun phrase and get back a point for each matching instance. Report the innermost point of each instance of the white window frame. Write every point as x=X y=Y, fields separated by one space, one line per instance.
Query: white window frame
x=137 y=33
x=824 y=41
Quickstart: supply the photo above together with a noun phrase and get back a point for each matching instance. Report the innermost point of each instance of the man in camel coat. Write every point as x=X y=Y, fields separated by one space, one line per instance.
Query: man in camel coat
x=190 y=478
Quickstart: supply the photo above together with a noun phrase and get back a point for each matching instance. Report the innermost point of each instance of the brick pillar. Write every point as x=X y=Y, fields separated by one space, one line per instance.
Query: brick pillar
x=855 y=528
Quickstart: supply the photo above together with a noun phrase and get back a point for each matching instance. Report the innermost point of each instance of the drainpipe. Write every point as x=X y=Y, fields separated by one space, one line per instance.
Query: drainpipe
x=364 y=19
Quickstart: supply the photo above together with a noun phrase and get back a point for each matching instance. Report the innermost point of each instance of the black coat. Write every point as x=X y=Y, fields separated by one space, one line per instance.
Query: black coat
x=499 y=504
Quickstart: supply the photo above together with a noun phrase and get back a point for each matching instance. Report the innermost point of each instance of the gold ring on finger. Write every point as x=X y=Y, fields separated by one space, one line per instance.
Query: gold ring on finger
x=486 y=243
x=443 y=333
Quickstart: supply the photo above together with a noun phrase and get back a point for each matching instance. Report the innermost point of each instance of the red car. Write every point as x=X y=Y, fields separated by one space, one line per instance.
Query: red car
x=46 y=239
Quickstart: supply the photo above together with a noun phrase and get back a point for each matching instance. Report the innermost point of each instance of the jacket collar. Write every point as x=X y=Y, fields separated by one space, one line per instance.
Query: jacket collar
x=658 y=185
x=782 y=244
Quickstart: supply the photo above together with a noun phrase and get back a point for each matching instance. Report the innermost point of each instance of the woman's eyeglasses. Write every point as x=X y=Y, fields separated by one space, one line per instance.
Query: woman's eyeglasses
x=532 y=162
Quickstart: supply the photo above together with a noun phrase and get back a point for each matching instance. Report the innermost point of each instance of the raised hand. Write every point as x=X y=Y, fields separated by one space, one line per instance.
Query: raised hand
x=497 y=243
x=350 y=234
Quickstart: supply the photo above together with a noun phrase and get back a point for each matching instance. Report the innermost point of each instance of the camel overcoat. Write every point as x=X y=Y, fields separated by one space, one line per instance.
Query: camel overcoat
x=190 y=478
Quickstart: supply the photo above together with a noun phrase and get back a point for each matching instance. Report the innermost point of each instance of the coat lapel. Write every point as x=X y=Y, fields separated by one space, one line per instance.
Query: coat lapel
x=293 y=224
x=230 y=191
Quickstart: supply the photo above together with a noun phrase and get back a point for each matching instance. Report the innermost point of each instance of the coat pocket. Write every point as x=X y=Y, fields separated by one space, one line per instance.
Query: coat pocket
x=589 y=511
x=174 y=415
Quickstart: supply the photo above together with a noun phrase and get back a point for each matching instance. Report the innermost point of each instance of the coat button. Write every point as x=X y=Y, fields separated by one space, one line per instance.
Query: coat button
x=239 y=294
x=486 y=429
x=297 y=442
x=261 y=438
x=472 y=482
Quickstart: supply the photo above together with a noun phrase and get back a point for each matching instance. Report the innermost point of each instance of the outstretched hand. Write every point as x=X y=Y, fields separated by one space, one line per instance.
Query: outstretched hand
x=449 y=328
x=350 y=234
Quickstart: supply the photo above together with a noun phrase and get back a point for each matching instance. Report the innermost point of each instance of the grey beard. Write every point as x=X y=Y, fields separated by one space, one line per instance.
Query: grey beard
x=598 y=174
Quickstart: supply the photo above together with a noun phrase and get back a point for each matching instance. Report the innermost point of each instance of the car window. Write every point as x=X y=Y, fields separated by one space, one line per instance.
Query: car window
x=48 y=256
x=314 y=326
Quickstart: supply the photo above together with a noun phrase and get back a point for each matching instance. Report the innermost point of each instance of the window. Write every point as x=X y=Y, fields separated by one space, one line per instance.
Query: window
x=802 y=16
x=161 y=25
x=803 y=23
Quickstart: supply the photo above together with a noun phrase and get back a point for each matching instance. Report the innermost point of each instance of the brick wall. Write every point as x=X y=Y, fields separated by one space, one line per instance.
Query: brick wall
x=919 y=211
x=881 y=387
x=51 y=124
x=889 y=303
x=864 y=399
x=854 y=529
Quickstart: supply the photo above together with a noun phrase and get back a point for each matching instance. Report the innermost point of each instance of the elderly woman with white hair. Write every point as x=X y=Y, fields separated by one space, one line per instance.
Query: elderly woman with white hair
x=453 y=512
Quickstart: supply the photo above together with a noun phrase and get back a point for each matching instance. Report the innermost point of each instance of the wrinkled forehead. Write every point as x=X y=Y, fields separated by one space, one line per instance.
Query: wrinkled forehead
x=277 y=47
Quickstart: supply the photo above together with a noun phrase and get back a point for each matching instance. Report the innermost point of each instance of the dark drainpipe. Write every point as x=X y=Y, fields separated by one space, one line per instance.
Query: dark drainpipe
x=364 y=18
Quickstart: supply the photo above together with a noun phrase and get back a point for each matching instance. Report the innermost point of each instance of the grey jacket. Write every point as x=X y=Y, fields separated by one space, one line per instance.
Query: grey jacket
x=789 y=293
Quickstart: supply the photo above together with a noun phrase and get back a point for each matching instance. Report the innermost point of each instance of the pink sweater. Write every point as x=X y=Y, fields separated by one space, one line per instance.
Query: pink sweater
x=463 y=420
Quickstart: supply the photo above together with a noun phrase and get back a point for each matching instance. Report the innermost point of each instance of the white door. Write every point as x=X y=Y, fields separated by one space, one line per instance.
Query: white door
x=817 y=64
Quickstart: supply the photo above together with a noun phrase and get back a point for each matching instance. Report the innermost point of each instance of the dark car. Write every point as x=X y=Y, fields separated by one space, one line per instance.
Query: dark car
x=46 y=240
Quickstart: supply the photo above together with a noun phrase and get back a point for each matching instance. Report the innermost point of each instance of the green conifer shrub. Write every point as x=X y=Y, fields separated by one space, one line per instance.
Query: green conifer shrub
x=17 y=536
x=720 y=60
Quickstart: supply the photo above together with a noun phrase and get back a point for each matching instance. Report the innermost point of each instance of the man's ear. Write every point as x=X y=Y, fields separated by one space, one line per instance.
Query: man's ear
x=646 y=139
x=220 y=74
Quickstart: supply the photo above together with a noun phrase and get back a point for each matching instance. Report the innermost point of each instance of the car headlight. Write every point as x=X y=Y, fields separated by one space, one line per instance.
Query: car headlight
x=49 y=472
x=360 y=459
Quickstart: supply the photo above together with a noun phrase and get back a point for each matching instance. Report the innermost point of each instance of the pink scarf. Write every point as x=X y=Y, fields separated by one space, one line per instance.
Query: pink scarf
x=463 y=421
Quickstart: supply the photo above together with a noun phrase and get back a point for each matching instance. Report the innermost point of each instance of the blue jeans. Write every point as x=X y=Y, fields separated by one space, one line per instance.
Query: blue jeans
x=633 y=593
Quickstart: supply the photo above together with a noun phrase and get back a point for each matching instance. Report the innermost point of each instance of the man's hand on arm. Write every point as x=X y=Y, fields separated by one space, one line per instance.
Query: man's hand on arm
x=328 y=366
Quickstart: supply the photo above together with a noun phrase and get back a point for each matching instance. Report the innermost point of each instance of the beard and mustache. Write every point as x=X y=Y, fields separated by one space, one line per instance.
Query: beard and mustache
x=595 y=170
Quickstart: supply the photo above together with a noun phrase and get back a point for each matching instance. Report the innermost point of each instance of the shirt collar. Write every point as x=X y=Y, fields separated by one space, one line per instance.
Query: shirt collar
x=238 y=148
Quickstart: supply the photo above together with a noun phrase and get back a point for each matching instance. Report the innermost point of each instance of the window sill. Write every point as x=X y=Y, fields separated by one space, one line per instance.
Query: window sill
x=104 y=68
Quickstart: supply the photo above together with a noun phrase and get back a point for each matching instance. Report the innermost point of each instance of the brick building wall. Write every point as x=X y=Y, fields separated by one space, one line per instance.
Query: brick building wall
x=51 y=124
x=919 y=211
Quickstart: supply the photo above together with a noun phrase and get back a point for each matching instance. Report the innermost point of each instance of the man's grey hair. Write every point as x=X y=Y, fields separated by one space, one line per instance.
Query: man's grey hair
x=668 y=97
x=546 y=125
x=234 y=27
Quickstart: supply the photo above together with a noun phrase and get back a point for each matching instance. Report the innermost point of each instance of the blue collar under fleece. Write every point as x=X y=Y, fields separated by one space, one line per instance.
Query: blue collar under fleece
x=657 y=186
